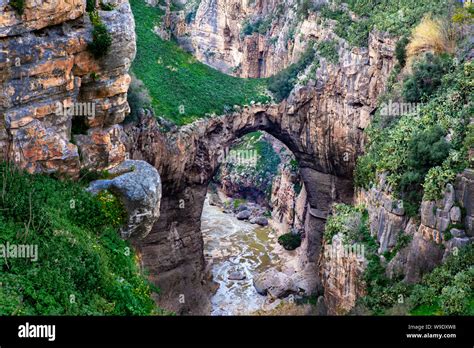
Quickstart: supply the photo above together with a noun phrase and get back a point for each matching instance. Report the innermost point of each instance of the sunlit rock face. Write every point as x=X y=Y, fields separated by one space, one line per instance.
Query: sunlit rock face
x=321 y=123
x=50 y=81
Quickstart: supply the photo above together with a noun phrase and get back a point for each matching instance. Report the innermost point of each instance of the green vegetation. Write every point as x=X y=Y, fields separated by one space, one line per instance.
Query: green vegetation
x=83 y=267
x=138 y=98
x=18 y=5
x=101 y=39
x=413 y=149
x=328 y=50
x=183 y=89
x=426 y=77
x=282 y=83
x=289 y=241
x=90 y=5
x=259 y=162
x=402 y=241
x=448 y=289
x=401 y=51
x=260 y=25
x=106 y=7
x=396 y=17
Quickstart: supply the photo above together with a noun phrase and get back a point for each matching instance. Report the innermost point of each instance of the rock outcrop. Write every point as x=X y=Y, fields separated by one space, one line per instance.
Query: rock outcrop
x=437 y=235
x=342 y=273
x=138 y=185
x=241 y=38
x=50 y=84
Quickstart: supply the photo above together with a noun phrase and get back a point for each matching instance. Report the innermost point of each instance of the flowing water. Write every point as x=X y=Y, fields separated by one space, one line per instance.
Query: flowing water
x=231 y=245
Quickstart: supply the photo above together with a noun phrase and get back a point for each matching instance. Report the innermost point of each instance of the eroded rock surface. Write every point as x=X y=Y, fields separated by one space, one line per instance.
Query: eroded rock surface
x=45 y=68
x=138 y=185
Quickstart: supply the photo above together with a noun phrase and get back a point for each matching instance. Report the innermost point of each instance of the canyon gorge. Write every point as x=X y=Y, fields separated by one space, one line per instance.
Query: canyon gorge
x=164 y=172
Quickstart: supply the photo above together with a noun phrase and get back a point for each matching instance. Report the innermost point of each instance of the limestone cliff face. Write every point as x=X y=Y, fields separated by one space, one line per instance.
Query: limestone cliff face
x=433 y=238
x=437 y=234
x=240 y=37
x=46 y=69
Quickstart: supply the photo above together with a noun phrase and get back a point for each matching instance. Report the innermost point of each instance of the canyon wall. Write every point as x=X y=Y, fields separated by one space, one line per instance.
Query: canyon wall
x=46 y=70
x=322 y=123
x=239 y=37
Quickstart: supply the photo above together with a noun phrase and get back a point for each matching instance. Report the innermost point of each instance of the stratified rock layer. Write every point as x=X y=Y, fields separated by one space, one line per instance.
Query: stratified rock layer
x=46 y=70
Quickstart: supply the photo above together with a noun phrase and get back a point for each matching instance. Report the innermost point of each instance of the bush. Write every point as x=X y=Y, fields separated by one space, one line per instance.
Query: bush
x=112 y=208
x=426 y=77
x=101 y=41
x=18 y=5
x=426 y=148
x=90 y=5
x=328 y=50
x=422 y=296
x=400 y=51
x=289 y=241
x=83 y=266
x=138 y=98
x=260 y=26
x=454 y=300
x=282 y=83
x=431 y=35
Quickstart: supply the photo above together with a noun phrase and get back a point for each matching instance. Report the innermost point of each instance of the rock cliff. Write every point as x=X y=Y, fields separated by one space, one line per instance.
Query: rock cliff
x=51 y=86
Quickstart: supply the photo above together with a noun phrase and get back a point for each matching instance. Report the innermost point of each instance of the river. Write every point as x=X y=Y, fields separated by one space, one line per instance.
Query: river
x=231 y=245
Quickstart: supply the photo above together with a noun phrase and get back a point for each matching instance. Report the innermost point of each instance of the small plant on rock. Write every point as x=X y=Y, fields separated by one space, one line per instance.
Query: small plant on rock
x=18 y=5
x=290 y=241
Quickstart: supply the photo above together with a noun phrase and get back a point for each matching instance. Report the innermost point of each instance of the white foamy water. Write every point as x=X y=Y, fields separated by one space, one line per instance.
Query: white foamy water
x=233 y=245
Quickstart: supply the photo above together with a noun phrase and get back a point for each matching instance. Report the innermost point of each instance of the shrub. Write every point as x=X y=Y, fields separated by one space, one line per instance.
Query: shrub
x=90 y=5
x=18 y=5
x=426 y=77
x=282 y=83
x=328 y=50
x=400 y=51
x=112 y=208
x=454 y=300
x=431 y=35
x=260 y=26
x=107 y=7
x=138 y=98
x=422 y=296
x=289 y=241
x=101 y=39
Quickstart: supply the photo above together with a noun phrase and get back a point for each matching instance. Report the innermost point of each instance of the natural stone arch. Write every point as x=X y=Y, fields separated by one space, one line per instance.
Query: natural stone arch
x=188 y=158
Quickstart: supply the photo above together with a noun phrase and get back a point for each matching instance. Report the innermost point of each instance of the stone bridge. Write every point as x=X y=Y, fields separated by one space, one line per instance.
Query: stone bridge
x=323 y=141
x=321 y=123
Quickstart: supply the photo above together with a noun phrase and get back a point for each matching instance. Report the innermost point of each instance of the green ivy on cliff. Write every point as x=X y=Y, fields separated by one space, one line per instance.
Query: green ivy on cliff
x=83 y=267
x=412 y=149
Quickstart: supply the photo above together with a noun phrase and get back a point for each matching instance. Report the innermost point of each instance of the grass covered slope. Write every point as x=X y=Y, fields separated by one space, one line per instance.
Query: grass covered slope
x=82 y=266
x=181 y=88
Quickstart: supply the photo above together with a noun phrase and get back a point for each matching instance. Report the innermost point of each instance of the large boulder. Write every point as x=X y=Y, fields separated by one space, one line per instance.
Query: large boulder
x=138 y=185
x=244 y=215
x=274 y=283
x=262 y=221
